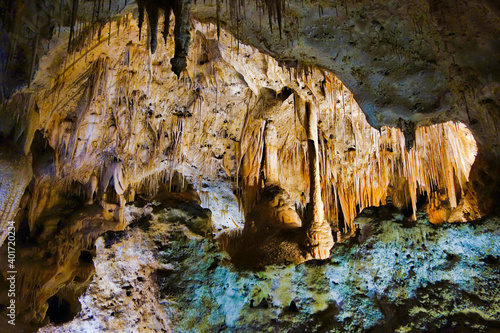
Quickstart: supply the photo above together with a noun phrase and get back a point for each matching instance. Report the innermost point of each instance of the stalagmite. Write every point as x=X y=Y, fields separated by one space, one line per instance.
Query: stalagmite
x=271 y=154
x=319 y=233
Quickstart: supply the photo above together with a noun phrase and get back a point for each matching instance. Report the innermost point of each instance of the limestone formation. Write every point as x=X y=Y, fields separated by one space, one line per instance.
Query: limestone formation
x=159 y=275
x=269 y=124
x=15 y=175
x=319 y=234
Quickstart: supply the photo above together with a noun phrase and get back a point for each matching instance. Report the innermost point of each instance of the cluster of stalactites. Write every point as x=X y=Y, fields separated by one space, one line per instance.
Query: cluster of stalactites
x=116 y=129
x=107 y=119
x=360 y=166
x=182 y=29
x=88 y=21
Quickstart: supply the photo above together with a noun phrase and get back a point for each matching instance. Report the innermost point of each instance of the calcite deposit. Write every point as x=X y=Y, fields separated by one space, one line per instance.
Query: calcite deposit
x=270 y=126
x=16 y=173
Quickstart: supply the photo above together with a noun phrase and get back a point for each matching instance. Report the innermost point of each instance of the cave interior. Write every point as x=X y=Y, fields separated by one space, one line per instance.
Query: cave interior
x=249 y=166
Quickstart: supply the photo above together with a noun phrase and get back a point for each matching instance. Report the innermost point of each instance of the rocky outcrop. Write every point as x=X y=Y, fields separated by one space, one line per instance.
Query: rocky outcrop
x=407 y=61
x=56 y=260
x=398 y=276
x=423 y=62
x=114 y=133
x=116 y=115
x=123 y=295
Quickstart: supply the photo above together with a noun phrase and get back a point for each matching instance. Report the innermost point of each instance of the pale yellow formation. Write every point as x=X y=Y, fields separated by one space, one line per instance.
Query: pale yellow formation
x=319 y=233
x=15 y=175
x=271 y=157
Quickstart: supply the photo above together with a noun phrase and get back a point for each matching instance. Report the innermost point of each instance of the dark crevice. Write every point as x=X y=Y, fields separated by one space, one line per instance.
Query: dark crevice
x=59 y=310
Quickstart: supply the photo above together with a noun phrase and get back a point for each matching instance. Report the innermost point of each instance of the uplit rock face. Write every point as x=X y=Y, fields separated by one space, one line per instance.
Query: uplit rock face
x=419 y=61
x=395 y=276
x=57 y=258
x=123 y=296
x=412 y=67
x=15 y=175
x=118 y=120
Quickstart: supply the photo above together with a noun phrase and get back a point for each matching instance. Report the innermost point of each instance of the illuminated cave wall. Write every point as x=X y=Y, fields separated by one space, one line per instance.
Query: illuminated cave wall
x=107 y=121
x=118 y=113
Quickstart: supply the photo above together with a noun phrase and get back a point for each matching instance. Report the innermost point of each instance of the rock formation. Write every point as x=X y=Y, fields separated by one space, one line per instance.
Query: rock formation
x=319 y=233
x=99 y=115
x=16 y=173
x=158 y=275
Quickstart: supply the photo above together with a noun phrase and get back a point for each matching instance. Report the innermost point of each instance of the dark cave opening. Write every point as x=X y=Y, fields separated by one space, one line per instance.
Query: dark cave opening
x=293 y=307
x=85 y=257
x=59 y=310
x=43 y=154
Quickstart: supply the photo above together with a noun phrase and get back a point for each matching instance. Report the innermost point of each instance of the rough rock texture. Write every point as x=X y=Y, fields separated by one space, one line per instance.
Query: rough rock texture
x=397 y=276
x=113 y=124
x=107 y=121
x=56 y=259
x=15 y=174
x=413 y=61
x=402 y=277
x=275 y=209
x=124 y=295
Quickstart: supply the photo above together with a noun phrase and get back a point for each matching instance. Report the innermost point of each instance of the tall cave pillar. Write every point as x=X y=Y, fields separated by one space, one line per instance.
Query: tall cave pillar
x=319 y=233
x=271 y=154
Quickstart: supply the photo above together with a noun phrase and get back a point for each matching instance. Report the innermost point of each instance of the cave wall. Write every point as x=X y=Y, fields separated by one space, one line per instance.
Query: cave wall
x=395 y=277
x=114 y=132
x=418 y=62
x=423 y=61
x=107 y=121
x=411 y=64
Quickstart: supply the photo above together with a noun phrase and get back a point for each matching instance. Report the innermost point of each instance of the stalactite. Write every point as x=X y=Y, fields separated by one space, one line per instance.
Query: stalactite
x=153 y=13
x=361 y=166
x=218 y=17
x=153 y=135
x=275 y=9
x=74 y=13
x=166 y=23
x=182 y=36
x=141 y=6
